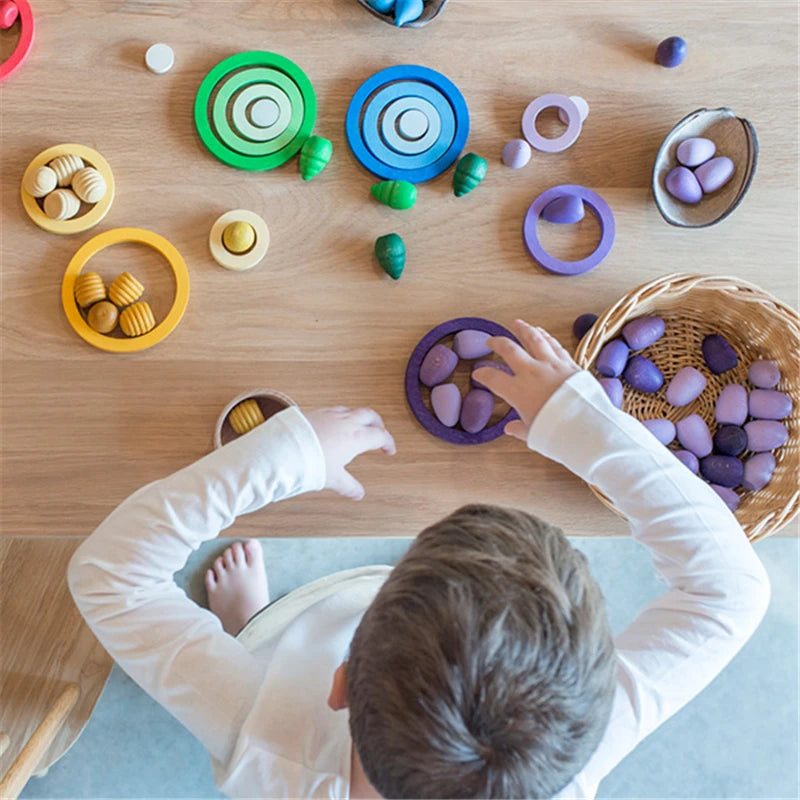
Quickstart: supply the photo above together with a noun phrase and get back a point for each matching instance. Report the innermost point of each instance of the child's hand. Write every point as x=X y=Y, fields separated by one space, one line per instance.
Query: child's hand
x=539 y=369
x=345 y=434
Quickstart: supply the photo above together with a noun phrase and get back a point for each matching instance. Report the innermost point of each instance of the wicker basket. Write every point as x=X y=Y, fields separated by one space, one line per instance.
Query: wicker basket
x=757 y=325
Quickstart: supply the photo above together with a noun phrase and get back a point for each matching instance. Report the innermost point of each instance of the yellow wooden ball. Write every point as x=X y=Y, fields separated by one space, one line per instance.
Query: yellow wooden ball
x=238 y=237
x=103 y=316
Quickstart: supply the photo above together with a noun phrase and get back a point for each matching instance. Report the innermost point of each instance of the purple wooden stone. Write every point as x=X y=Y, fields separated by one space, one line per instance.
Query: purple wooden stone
x=730 y=440
x=446 y=403
x=471 y=344
x=582 y=324
x=643 y=374
x=642 y=332
x=612 y=358
x=694 y=435
x=687 y=385
x=764 y=374
x=438 y=365
x=693 y=152
x=613 y=388
x=714 y=174
x=722 y=470
x=682 y=185
x=769 y=404
x=728 y=496
x=476 y=410
x=731 y=407
x=487 y=363
x=662 y=429
x=564 y=210
x=671 y=52
x=758 y=471
x=688 y=459
x=765 y=434
x=718 y=353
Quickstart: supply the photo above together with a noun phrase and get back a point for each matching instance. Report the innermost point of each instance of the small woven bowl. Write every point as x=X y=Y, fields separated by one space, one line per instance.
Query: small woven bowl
x=432 y=10
x=269 y=401
x=758 y=325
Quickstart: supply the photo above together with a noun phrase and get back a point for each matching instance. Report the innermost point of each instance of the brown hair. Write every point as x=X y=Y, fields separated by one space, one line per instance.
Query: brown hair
x=485 y=665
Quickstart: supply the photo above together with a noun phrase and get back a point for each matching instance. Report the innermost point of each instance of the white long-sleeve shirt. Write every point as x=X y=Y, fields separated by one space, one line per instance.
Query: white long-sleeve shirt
x=264 y=718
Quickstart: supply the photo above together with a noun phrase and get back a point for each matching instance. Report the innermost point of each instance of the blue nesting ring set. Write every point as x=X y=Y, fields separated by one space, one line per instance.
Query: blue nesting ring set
x=374 y=123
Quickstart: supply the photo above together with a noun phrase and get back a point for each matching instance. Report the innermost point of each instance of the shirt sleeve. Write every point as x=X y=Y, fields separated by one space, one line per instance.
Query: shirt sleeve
x=718 y=588
x=122 y=575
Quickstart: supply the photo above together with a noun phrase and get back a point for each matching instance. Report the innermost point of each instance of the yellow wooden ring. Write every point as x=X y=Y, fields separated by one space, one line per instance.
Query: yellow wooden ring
x=223 y=256
x=76 y=224
x=92 y=248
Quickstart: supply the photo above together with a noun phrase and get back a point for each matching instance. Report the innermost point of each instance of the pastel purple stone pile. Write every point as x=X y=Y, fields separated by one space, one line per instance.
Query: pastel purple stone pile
x=699 y=172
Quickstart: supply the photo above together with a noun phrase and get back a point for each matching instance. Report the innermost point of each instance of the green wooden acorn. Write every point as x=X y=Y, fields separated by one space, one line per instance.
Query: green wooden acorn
x=470 y=171
x=390 y=251
x=395 y=194
x=315 y=154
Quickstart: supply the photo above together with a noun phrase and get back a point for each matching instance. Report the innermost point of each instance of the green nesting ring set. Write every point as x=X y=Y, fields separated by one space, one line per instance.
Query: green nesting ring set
x=255 y=110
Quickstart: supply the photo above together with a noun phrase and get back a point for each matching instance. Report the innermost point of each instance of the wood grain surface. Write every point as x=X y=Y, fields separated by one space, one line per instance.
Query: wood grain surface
x=82 y=429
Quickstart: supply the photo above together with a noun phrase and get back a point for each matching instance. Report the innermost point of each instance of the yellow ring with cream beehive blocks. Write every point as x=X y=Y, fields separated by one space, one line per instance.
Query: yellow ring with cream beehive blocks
x=223 y=256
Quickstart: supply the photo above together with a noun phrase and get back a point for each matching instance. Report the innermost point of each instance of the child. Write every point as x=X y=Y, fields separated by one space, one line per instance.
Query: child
x=482 y=666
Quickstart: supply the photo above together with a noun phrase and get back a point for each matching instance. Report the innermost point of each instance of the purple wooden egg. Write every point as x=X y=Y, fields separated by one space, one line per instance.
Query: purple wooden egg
x=718 y=353
x=613 y=388
x=757 y=471
x=688 y=459
x=694 y=435
x=582 y=324
x=764 y=374
x=722 y=470
x=671 y=52
x=730 y=440
x=769 y=404
x=714 y=174
x=662 y=429
x=487 y=363
x=765 y=434
x=682 y=185
x=516 y=153
x=731 y=408
x=471 y=344
x=693 y=152
x=687 y=385
x=643 y=374
x=642 y=332
x=446 y=402
x=476 y=410
x=612 y=358
x=729 y=497
x=438 y=365
x=564 y=210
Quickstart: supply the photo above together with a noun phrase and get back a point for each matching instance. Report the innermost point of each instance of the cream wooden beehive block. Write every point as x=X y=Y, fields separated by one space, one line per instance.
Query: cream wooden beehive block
x=89 y=185
x=65 y=167
x=41 y=182
x=61 y=204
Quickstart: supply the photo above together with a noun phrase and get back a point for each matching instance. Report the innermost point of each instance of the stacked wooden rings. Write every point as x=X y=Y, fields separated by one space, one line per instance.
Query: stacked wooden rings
x=263 y=110
x=407 y=123
x=568 y=111
x=24 y=14
x=238 y=262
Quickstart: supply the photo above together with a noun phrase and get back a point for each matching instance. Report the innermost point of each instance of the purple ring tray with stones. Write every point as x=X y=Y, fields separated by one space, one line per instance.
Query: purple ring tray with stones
x=414 y=393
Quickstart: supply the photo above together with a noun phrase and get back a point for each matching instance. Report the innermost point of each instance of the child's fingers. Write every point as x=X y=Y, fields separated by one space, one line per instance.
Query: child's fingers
x=535 y=343
x=496 y=381
x=368 y=416
x=514 y=355
x=348 y=486
x=558 y=348
x=517 y=429
x=372 y=438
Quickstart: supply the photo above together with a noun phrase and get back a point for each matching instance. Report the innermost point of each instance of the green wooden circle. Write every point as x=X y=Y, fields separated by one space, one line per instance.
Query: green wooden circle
x=252 y=94
x=226 y=154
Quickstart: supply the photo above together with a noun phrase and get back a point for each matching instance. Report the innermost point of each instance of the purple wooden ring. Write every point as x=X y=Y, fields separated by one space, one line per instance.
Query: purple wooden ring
x=604 y=215
x=414 y=393
x=574 y=123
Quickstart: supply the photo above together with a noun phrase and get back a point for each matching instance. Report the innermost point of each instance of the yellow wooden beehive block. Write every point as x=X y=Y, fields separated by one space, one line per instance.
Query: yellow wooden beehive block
x=245 y=416
x=136 y=320
x=89 y=289
x=125 y=289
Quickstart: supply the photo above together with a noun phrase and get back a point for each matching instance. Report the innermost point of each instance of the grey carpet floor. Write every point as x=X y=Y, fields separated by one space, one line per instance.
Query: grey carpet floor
x=737 y=739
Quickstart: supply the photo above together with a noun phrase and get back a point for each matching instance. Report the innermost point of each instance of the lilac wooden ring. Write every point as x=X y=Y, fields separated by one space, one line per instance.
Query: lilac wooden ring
x=607 y=230
x=574 y=123
x=414 y=393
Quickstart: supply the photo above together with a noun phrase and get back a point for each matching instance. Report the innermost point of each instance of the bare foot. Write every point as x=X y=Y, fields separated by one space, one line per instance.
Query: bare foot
x=237 y=585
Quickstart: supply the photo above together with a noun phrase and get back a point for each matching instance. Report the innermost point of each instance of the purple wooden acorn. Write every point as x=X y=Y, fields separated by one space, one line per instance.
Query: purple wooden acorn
x=662 y=429
x=642 y=332
x=682 y=185
x=731 y=406
x=694 y=435
x=438 y=365
x=714 y=174
x=613 y=388
x=612 y=358
x=695 y=151
x=446 y=402
x=765 y=434
x=471 y=344
x=728 y=496
x=476 y=410
x=764 y=374
x=487 y=363
x=688 y=459
x=564 y=210
x=758 y=471
x=687 y=385
x=718 y=353
x=722 y=470
x=643 y=374
x=769 y=404
x=582 y=324
x=730 y=440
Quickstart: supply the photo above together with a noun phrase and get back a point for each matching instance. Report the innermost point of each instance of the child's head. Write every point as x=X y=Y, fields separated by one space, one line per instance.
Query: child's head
x=485 y=665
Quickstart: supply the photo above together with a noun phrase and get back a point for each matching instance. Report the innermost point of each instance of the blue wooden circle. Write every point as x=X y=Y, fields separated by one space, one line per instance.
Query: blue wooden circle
x=394 y=114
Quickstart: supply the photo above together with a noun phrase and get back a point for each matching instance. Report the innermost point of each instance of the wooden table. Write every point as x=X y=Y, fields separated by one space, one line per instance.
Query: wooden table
x=82 y=429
